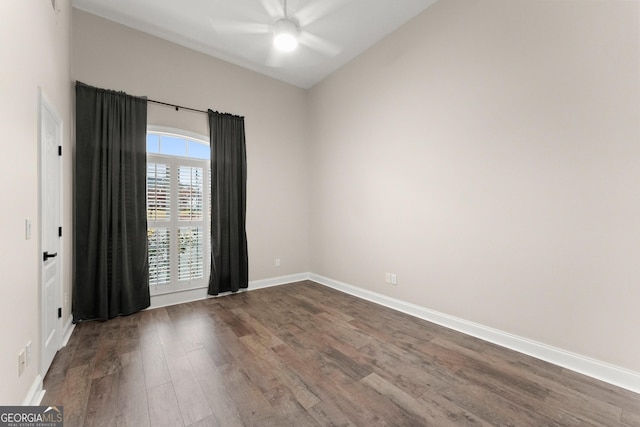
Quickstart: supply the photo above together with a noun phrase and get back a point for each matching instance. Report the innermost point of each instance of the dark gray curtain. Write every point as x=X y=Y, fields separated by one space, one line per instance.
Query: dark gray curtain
x=229 y=260
x=111 y=270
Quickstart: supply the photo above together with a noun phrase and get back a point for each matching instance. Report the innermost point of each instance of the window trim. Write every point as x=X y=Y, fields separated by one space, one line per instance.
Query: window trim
x=178 y=286
x=179 y=133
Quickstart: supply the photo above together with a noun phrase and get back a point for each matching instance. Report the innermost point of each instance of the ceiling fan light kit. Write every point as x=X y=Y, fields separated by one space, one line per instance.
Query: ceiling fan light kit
x=285 y=35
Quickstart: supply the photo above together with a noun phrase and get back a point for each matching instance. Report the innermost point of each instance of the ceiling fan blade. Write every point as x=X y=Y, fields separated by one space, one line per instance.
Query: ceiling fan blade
x=319 y=44
x=315 y=10
x=273 y=8
x=239 y=27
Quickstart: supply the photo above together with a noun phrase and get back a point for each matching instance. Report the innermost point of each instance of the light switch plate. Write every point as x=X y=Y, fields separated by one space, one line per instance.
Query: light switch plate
x=28 y=350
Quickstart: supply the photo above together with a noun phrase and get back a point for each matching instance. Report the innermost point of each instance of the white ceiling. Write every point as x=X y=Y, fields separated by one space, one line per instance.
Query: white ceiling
x=238 y=31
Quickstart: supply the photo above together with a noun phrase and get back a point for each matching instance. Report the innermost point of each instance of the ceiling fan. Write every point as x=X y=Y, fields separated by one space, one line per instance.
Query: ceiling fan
x=286 y=28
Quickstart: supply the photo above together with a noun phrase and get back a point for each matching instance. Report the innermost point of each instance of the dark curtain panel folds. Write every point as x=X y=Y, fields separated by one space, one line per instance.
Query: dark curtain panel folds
x=229 y=259
x=111 y=270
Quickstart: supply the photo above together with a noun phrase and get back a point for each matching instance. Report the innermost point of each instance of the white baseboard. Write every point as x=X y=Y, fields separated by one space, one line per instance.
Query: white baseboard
x=611 y=374
x=277 y=281
x=67 y=331
x=165 y=300
x=190 y=295
x=34 y=397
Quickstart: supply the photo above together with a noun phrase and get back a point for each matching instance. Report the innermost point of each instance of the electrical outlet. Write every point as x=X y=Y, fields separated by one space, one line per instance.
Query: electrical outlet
x=66 y=298
x=387 y=277
x=277 y=262
x=27 y=229
x=394 y=279
x=22 y=362
x=28 y=349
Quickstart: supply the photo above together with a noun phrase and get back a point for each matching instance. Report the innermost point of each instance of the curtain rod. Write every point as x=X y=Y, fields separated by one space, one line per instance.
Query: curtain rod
x=177 y=107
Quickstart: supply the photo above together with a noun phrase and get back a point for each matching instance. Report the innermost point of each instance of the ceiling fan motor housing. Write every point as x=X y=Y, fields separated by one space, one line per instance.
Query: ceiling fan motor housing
x=285 y=33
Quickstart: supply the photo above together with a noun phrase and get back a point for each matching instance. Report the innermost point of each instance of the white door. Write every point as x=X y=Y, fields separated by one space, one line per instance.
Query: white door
x=50 y=140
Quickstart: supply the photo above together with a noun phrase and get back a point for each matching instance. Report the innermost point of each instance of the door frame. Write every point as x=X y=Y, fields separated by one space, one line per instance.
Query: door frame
x=42 y=105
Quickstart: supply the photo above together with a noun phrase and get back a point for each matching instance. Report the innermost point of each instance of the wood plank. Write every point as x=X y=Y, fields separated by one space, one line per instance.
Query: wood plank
x=132 y=406
x=171 y=345
x=490 y=407
x=440 y=412
x=321 y=307
x=630 y=417
x=183 y=317
x=583 y=407
x=320 y=380
x=236 y=325
x=213 y=385
x=600 y=390
x=191 y=399
x=260 y=332
x=212 y=335
x=327 y=413
x=129 y=336
x=210 y=421
x=73 y=396
x=407 y=371
x=156 y=371
x=371 y=407
x=336 y=327
x=106 y=360
x=288 y=407
x=163 y=407
x=282 y=375
x=90 y=336
x=102 y=401
x=253 y=407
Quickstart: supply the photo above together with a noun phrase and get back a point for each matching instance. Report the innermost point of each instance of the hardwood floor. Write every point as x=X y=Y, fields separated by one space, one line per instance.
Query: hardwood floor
x=306 y=355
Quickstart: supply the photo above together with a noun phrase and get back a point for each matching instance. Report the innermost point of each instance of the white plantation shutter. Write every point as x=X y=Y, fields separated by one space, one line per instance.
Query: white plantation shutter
x=159 y=256
x=158 y=192
x=190 y=193
x=158 y=213
x=178 y=211
x=191 y=253
x=190 y=211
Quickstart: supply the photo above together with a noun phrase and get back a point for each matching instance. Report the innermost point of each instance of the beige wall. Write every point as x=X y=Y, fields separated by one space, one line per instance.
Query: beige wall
x=112 y=56
x=35 y=52
x=488 y=153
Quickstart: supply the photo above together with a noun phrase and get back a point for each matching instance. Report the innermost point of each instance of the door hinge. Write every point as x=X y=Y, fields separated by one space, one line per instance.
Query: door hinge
x=59 y=312
x=59 y=150
x=59 y=231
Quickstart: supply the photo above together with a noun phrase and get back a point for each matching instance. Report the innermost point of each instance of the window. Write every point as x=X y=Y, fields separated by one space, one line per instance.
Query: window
x=178 y=211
